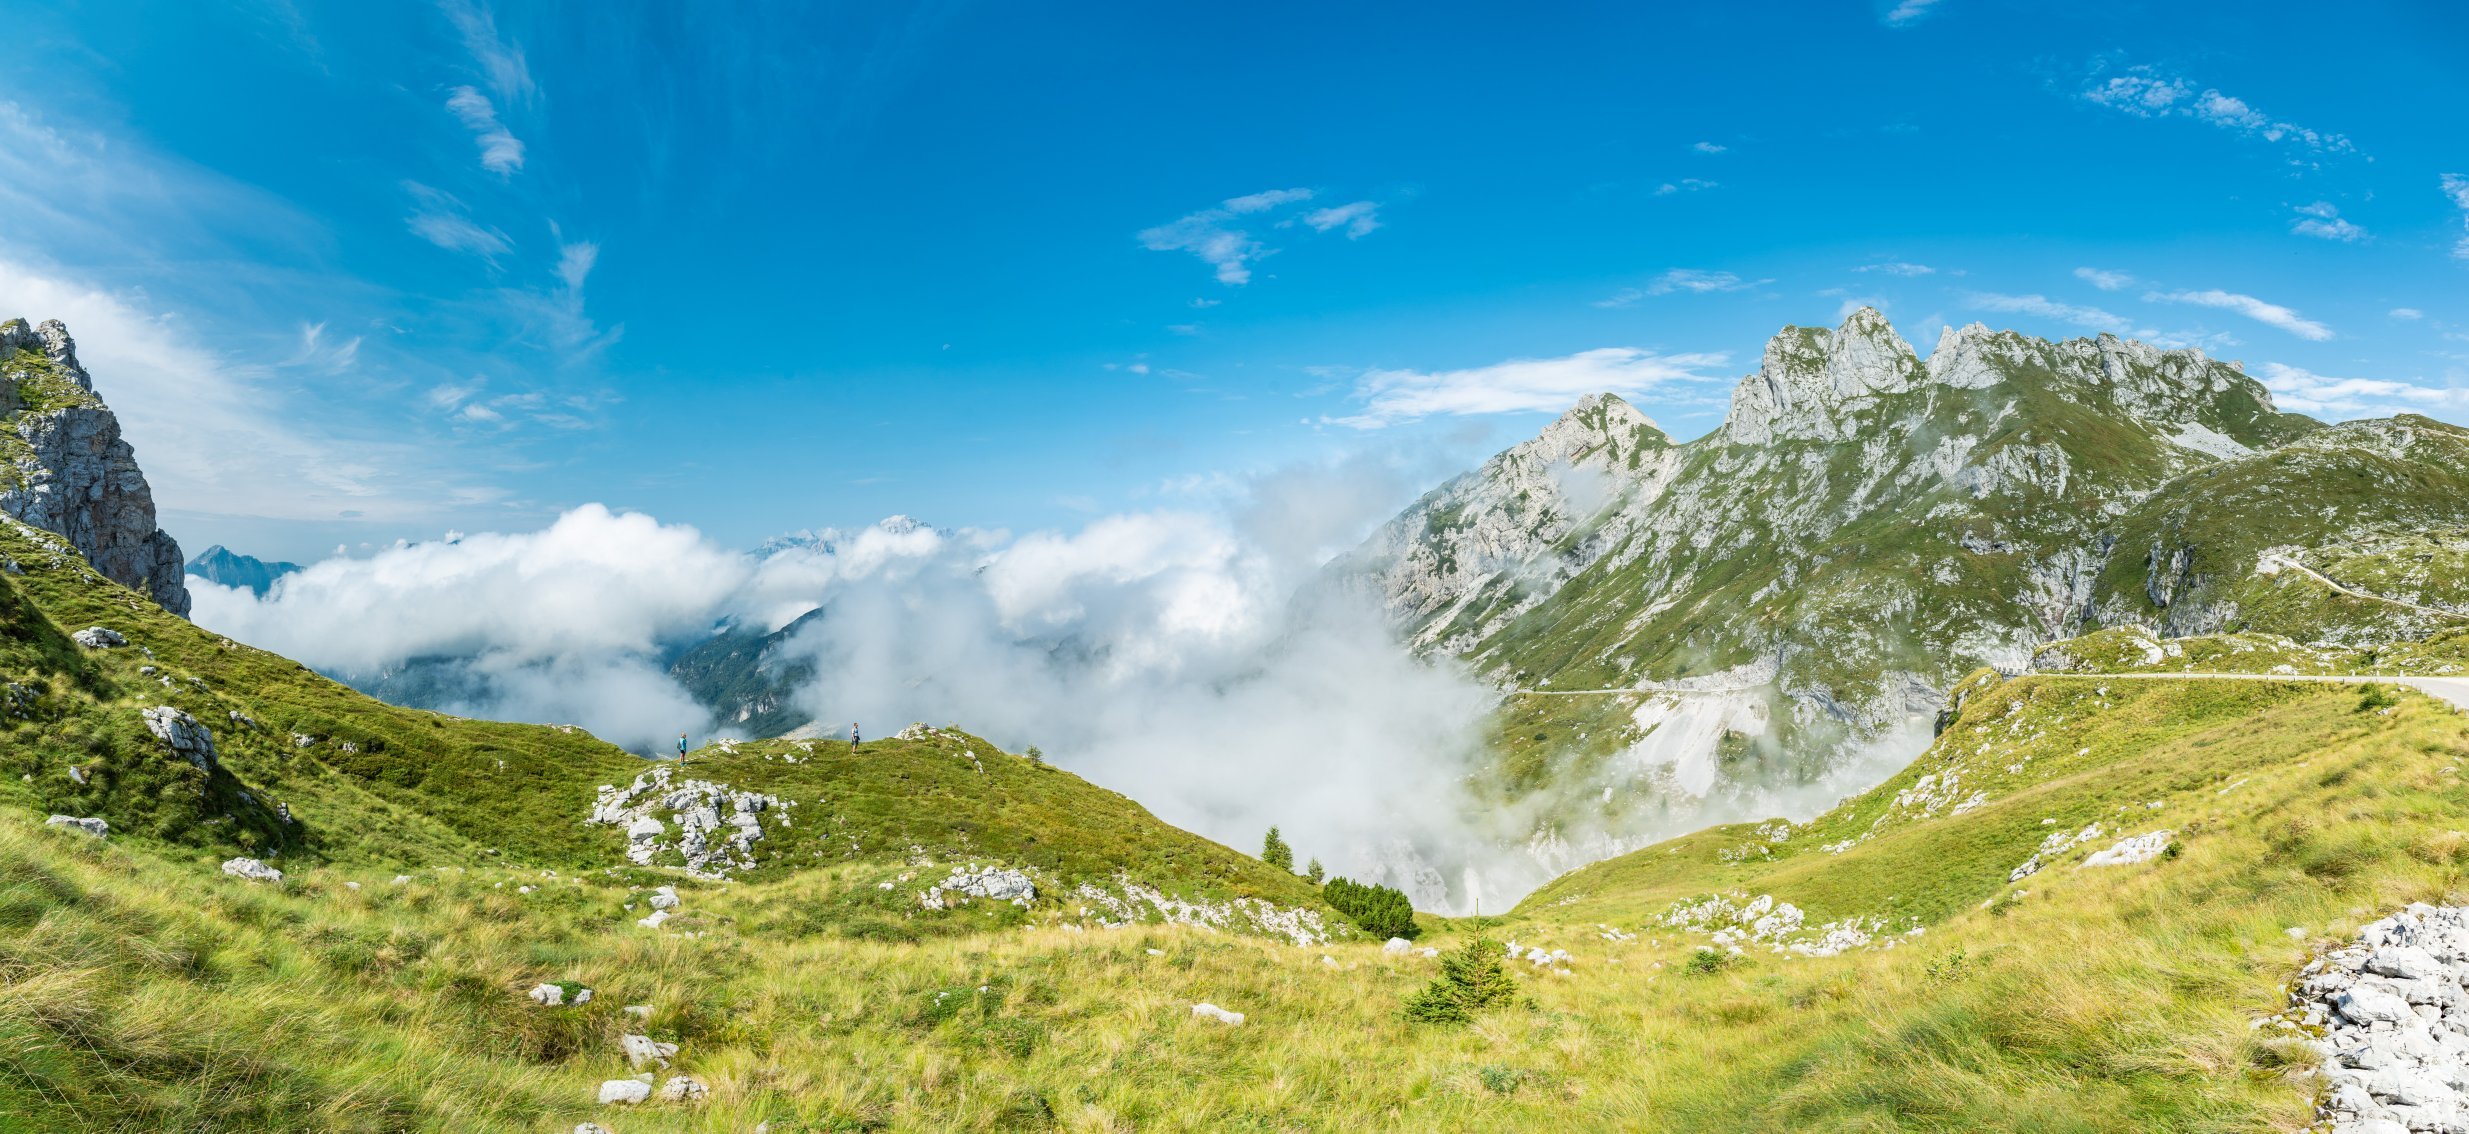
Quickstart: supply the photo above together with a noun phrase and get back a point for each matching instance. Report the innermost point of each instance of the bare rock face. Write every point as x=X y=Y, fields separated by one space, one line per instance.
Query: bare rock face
x=67 y=470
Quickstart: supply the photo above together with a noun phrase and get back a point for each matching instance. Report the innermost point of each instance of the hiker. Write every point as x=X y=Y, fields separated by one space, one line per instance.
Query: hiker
x=852 y=737
x=681 y=746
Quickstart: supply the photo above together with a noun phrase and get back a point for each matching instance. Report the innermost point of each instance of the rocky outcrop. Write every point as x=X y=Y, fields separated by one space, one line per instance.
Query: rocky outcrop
x=2392 y=1014
x=68 y=470
x=711 y=843
x=1489 y=545
x=185 y=737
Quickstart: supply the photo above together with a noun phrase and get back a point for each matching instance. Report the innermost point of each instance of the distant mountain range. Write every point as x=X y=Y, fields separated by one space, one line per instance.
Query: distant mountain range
x=1787 y=600
x=219 y=564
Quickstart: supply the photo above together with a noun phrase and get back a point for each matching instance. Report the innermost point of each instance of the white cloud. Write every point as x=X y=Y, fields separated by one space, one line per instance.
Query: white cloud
x=2146 y=92
x=1699 y=282
x=2270 y=314
x=324 y=355
x=2309 y=392
x=1907 y=11
x=438 y=218
x=1224 y=247
x=501 y=152
x=1898 y=268
x=501 y=63
x=1359 y=218
x=2323 y=221
x=1226 y=243
x=1685 y=185
x=2407 y=313
x=1522 y=385
x=2046 y=308
x=2104 y=280
x=1710 y=147
x=2456 y=187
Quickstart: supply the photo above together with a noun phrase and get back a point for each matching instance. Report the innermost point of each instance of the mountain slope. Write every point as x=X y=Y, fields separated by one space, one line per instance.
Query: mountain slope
x=147 y=993
x=1787 y=598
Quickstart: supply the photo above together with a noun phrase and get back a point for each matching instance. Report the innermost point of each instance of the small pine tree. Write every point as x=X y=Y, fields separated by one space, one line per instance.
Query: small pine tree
x=1035 y=755
x=1275 y=852
x=1471 y=979
x=1313 y=873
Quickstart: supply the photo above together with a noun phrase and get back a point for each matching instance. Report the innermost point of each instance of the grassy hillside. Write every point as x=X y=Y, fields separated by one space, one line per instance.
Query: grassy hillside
x=146 y=993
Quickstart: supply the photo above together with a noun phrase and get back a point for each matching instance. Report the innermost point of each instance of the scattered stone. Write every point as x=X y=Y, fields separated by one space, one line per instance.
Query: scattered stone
x=1207 y=1011
x=992 y=883
x=554 y=995
x=711 y=844
x=2392 y=1008
x=590 y=1128
x=1396 y=945
x=302 y=740
x=99 y=638
x=2129 y=851
x=654 y=921
x=644 y=1049
x=624 y=1091
x=188 y=739
x=351 y=885
x=402 y=879
x=664 y=898
x=639 y=1011
x=94 y=827
x=684 y=1088
x=242 y=719
x=77 y=775
x=252 y=870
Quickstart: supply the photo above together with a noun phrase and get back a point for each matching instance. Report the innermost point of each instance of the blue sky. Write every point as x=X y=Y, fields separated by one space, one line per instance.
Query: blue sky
x=359 y=272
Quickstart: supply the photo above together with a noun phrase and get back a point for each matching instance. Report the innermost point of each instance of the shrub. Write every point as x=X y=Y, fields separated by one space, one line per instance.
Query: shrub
x=1380 y=910
x=2373 y=697
x=1313 y=873
x=1501 y=1080
x=1471 y=979
x=1707 y=962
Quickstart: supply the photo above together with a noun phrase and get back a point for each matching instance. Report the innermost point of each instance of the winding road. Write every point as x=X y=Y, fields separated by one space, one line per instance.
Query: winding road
x=2452 y=689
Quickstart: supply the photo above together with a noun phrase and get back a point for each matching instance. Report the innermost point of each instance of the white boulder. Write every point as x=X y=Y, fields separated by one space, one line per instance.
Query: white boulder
x=553 y=995
x=2128 y=852
x=684 y=1088
x=1397 y=945
x=644 y=1049
x=252 y=870
x=625 y=1091
x=99 y=638
x=94 y=827
x=664 y=898
x=187 y=739
x=1206 y=1011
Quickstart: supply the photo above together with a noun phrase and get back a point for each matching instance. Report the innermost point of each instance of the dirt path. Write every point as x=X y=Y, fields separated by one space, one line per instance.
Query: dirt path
x=2452 y=689
x=2338 y=588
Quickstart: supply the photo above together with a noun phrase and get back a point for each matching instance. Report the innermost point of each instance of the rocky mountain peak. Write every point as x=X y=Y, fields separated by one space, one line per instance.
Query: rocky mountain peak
x=64 y=467
x=1810 y=379
x=52 y=341
x=1598 y=425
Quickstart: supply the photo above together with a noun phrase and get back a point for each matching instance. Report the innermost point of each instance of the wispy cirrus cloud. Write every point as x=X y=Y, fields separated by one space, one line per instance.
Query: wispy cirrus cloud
x=500 y=61
x=2268 y=314
x=501 y=152
x=2149 y=92
x=1358 y=218
x=1686 y=185
x=1710 y=147
x=440 y=218
x=2322 y=220
x=2046 y=308
x=2456 y=188
x=1691 y=280
x=1907 y=12
x=1519 y=385
x=1898 y=268
x=1222 y=237
x=2104 y=279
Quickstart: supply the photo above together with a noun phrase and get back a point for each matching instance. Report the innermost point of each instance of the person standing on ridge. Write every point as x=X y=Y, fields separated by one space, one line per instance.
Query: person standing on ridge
x=852 y=739
x=681 y=746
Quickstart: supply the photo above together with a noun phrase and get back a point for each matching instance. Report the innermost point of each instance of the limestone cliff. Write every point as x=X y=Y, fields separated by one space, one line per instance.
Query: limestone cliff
x=64 y=467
